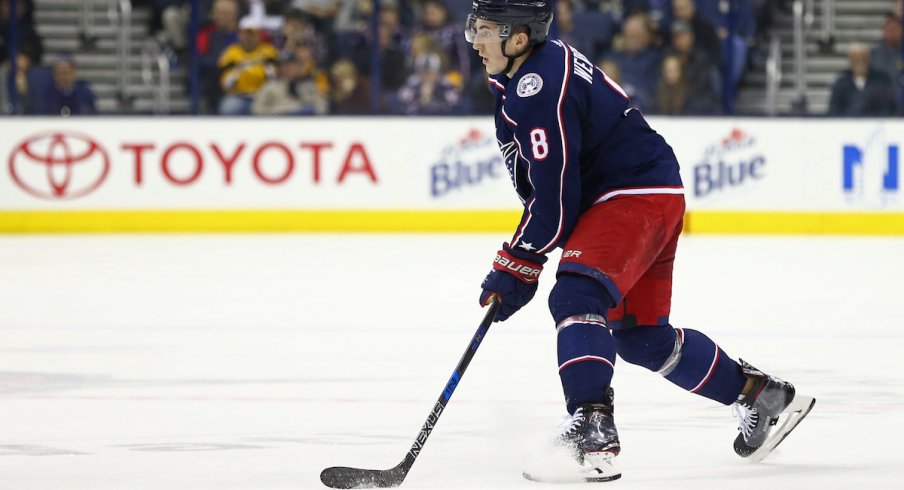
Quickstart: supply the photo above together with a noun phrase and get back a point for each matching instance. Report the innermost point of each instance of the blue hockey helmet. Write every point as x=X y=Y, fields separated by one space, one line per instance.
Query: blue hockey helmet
x=535 y=14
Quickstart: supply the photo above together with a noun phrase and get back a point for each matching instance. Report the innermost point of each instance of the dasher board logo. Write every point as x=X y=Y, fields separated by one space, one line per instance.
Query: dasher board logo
x=65 y=165
x=734 y=162
x=59 y=165
x=471 y=160
x=871 y=171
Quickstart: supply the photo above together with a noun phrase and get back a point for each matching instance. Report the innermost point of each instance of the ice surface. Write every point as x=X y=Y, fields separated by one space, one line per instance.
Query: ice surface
x=253 y=362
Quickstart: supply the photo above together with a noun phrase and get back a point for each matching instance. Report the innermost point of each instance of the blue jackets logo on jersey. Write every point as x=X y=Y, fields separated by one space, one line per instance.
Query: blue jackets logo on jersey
x=530 y=84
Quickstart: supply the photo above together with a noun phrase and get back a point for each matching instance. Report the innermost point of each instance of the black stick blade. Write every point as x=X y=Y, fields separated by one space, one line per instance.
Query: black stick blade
x=342 y=477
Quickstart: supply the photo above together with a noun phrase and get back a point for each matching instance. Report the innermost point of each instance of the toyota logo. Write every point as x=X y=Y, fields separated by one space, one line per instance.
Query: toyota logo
x=59 y=165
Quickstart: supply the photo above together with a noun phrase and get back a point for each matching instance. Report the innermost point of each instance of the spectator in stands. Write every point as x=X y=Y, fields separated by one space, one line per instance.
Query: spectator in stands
x=458 y=10
x=269 y=12
x=28 y=35
x=26 y=10
x=886 y=56
x=321 y=11
x=705 y=36
x=862 y=90
x=298 y=28
x=409 y=12
x=631 y=7
x=638 y=59
x=301 y=88
x=351 y=26
x=716 y=12
x=212 y=41
x=21 y=76
x=701 y=74
x=174 y=21
x=615 y=9
x=658 y=12
x=66 y=95
x=245 y=67
x=427 y=91
x=735 y=39
x=392 y=38
x=611 y=68
x=31 y=77
x=766 y=14
x=349 y=94
x=447 y=36
x=672 y=93
x=393 y=62
x=579 y=36
x=422 y=44
x=169 y=22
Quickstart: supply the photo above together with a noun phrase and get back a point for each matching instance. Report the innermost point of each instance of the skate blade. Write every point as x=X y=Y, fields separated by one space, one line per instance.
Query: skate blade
x=792 y=415
x=598 y=467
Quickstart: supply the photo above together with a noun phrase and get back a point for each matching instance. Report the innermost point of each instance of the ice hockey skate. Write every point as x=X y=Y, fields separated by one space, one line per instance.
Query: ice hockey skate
x=587 y=446
x=767 y=414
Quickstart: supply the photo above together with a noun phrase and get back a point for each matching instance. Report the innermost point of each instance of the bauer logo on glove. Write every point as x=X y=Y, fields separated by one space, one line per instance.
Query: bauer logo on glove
x=514 y=279
x=519 y=269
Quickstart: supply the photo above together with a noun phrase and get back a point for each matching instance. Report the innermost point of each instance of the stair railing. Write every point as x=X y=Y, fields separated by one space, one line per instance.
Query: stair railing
x=120 y=15
x=827 y=36
x=773 y=74
x=809 y=13
x=799 y=105
x=155 y=73
x=86 y=25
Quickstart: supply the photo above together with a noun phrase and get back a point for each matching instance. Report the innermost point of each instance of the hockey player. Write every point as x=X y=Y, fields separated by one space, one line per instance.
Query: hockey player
x=598 y=182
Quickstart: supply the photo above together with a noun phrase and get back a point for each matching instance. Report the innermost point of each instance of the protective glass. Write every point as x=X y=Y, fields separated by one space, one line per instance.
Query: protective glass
x=484 y=32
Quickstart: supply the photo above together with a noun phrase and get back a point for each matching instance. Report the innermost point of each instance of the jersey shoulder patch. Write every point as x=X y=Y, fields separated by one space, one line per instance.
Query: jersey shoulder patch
x=530 y=84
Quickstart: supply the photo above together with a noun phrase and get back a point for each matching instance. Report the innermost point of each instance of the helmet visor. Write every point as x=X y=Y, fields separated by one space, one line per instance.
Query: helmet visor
x=484 y=31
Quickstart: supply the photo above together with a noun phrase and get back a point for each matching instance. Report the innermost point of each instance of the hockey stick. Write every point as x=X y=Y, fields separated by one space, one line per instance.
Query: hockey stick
x=344 y=477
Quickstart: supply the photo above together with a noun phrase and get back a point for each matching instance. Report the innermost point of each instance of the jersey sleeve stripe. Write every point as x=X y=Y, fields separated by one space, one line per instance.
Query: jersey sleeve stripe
x=612 y=84
x=520 y=233
x=507 y=118
x=530 y=213
x=567 y=74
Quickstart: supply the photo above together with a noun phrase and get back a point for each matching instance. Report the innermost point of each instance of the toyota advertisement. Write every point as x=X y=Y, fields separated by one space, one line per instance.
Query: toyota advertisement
x=401 y=164
x=258 y=164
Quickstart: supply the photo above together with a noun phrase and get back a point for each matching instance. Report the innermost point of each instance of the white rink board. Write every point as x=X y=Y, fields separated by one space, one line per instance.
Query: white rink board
x=788 y=164
x=418 y=163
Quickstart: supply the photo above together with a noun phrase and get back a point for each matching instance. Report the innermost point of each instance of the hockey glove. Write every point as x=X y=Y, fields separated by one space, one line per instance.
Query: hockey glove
x=513 y=278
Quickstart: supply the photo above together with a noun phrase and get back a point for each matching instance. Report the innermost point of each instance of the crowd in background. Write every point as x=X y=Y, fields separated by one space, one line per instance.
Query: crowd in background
x=312 y=57
x=44 y=89
x=669 y=55
x=871 y=86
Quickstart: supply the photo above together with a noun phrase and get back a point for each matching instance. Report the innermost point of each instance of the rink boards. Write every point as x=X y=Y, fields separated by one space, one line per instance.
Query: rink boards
x=772 y=176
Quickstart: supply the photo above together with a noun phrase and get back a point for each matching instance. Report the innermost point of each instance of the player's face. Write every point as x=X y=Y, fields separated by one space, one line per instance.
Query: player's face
x=487 y=41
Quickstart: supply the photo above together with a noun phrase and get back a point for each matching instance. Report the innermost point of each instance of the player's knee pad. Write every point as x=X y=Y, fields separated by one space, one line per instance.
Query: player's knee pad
x=656 y=348
x=576 y=295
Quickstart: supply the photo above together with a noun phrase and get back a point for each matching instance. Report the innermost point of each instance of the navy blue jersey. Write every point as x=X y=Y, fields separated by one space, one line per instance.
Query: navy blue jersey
x=570 y=139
